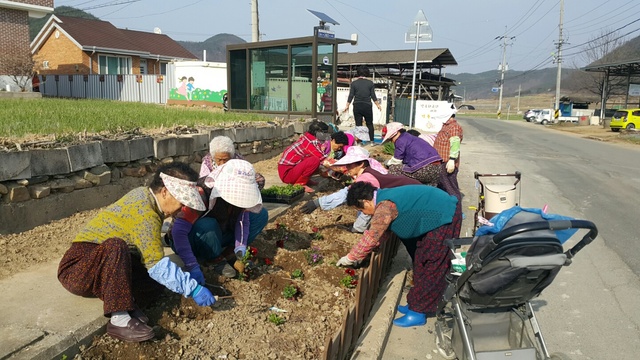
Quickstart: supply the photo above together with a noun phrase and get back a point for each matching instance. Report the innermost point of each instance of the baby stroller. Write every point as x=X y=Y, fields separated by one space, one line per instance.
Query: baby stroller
x=484 y=311
x=498 y=196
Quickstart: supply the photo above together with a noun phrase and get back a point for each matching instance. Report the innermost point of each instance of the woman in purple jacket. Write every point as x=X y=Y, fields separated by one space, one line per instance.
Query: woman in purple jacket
x=413 y=157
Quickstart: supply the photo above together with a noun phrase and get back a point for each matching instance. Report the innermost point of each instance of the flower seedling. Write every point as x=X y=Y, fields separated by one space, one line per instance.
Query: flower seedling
x=247 y=260
x=297 y=274
x=281 y=234
x=315 y=234
x=350 y=279
x=268 y=261
x=314 y=257
x=282 y=190
x=291 y=292
x=276 y=319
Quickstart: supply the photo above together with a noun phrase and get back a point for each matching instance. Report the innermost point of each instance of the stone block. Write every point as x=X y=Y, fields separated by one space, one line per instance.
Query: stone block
x=114 y=151
x=217 y=132
x=262 y=133
x=245 y=149
x=49 y=162
x=183 y=159
x=141 y=148
x=290 y=130
x=80 y=182
x=200 y=142
x=3 y=189
x=115 y=174
x=301 y=127
x=84 y=156
x=17 y=193
x=240 y=135
x=39 y=191
x=251 y=133
x=184 y=145
x=98 y=178
x=164 y=147
x=138 y=171
x=33 y=180
x=15 y=165
x=63 y=185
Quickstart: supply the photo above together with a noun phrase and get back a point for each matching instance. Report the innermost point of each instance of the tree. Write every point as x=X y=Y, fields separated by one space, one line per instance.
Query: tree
x=605 y=48
x=20 y=69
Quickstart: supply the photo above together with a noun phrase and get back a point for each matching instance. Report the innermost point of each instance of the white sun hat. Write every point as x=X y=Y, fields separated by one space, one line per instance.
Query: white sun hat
x=235 y=182
x=185 y=191
x=361 y=132
x=354 y=154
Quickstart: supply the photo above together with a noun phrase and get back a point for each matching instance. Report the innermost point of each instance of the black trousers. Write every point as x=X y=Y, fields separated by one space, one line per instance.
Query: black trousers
x=364 y=111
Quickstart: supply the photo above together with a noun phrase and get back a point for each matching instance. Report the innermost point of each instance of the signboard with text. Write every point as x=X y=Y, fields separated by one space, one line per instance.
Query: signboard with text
x=430 y=115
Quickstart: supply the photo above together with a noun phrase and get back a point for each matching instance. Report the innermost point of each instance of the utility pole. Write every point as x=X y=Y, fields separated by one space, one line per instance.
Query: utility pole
x=255 y=22
x=503 y=66
x=559 y=61
x=519 y=90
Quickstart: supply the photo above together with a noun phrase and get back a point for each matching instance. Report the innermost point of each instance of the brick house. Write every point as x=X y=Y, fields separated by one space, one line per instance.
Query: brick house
x=68 y=45
x=14 y=27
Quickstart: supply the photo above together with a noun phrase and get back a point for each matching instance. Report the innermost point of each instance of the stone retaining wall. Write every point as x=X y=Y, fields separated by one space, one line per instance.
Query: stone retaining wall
x=36 y=185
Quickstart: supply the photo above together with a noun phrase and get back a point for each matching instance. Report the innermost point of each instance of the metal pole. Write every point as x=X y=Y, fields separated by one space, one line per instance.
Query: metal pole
x=413 y=83
x=560 y=41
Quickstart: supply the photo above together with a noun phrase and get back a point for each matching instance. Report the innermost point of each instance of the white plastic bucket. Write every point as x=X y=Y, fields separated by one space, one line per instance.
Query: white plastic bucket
x=499 y=197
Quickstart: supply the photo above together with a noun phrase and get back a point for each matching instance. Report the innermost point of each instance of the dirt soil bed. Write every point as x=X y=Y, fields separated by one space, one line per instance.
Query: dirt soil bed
x=238 y=327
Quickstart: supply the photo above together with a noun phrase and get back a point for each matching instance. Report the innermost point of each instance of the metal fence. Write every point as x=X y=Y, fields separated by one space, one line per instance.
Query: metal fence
x=130 y=88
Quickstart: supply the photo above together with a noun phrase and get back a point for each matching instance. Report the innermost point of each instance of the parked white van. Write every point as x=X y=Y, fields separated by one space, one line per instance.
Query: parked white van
x=544 y=117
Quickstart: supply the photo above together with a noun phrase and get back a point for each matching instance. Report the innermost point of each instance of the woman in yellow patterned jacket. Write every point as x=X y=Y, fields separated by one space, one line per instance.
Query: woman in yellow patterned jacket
x=120 y=251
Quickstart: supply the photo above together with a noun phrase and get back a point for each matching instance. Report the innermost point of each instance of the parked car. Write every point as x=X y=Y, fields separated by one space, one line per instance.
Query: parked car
x=625 y=119
x=544 y=117
x=530 y=114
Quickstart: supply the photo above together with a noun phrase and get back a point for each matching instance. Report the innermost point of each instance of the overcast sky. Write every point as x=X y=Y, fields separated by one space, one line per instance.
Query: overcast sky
x=468 y=28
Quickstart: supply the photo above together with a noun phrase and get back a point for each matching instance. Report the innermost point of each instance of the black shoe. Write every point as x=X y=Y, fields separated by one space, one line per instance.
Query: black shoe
x=135 y=331
x=223 y=268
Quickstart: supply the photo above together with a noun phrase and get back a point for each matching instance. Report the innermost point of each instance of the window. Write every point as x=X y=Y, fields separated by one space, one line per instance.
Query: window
x=143 y=66
x=111 y=65
x=269 y=79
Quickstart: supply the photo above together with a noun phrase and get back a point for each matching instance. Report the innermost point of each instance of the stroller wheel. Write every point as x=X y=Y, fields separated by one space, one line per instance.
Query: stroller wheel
x=559 y=356
x=445 y=349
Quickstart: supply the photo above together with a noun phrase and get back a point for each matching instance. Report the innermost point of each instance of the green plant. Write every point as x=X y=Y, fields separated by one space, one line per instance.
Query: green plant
x=350 y=280
x=314 y=257
x=282 y=190
x=248 y=259
x=297 y=274
x=276 y=319
x=315 y=234
x=389 y=147
x=291 y=292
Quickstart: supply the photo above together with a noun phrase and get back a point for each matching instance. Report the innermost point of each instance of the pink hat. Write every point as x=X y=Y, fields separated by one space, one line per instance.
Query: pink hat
x=235 y=183
x=392 y=130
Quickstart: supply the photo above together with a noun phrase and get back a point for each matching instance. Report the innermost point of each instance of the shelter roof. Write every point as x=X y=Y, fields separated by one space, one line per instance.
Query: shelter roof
x=620 y=68
x=400 y=59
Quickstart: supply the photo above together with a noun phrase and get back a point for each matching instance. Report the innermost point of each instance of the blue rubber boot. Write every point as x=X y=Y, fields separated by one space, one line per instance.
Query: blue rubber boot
x=402 y=309
x=411 y=318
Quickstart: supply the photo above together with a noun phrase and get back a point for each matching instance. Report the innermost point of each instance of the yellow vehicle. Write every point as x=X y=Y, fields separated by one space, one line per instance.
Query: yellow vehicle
x=625 y=119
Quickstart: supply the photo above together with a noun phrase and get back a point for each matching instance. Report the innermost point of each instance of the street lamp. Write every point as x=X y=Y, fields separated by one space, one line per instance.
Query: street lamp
x=418 y=32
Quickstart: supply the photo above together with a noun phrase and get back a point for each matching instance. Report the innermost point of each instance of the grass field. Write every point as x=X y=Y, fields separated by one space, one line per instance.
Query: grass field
x=19 y=117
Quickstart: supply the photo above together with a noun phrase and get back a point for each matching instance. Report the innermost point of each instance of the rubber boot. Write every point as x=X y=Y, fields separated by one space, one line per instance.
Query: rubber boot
x=411 y=318
x=402 y=309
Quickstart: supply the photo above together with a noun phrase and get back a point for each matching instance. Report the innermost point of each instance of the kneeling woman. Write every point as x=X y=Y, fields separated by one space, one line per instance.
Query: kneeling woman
x=422 y=217
x=120 y=251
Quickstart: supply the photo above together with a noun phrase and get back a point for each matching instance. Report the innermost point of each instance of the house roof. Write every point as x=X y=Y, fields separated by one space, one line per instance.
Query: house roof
x=102 y=36
x=398 y=58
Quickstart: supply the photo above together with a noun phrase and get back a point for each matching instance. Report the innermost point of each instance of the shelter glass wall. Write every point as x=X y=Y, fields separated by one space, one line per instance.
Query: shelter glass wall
x=238 y=75
x=326 y=74
x=269 y=79
x=301 y=77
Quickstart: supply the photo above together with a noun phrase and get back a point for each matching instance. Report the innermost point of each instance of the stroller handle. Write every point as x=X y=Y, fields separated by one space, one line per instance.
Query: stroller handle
x=549 y=225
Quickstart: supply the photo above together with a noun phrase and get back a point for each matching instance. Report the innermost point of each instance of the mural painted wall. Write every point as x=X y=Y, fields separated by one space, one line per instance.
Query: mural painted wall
x=199 y=83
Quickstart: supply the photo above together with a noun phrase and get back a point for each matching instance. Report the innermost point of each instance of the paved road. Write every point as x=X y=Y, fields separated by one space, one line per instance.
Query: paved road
x=591 y=309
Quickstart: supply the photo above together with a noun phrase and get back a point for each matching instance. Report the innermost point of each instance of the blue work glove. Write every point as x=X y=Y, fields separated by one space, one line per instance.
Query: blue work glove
x=240 y=251
x=197 y=275
x=202 y=296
